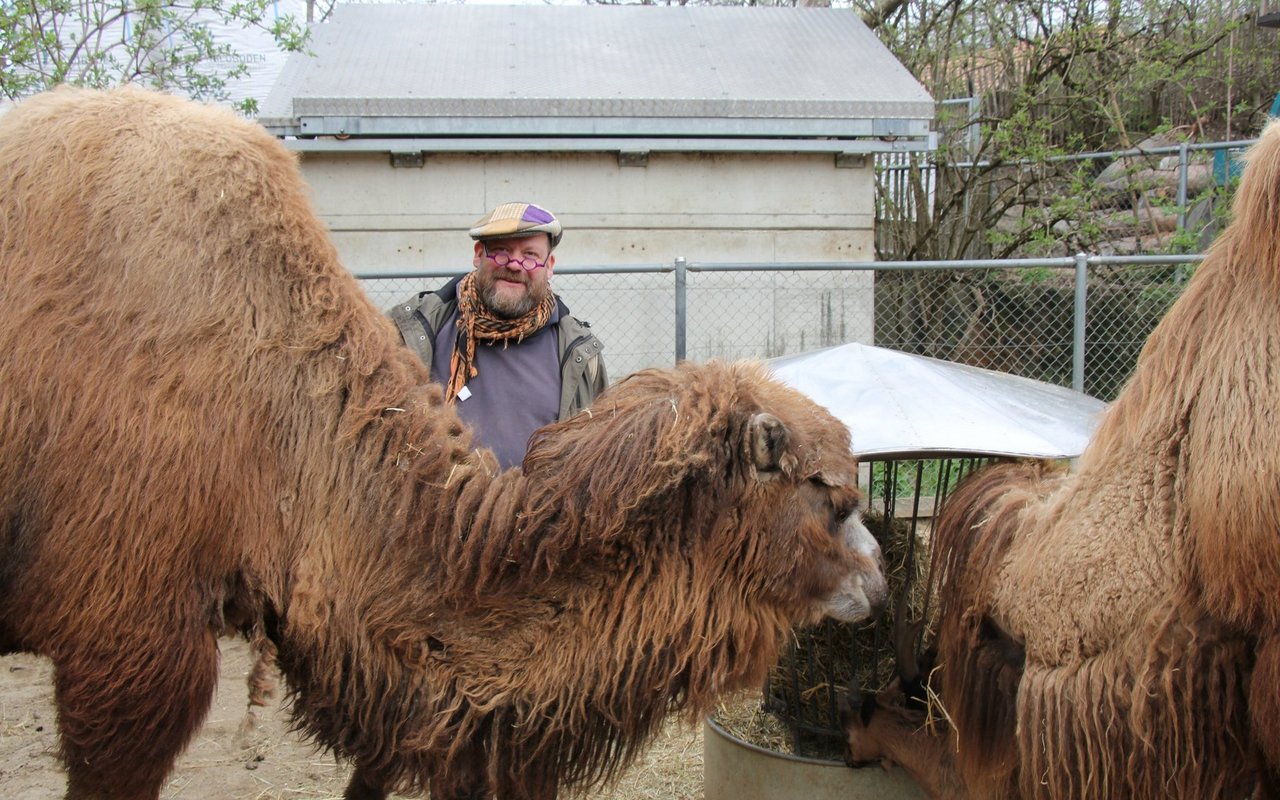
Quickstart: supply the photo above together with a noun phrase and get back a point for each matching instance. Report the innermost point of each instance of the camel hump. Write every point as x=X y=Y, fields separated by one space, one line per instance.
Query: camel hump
x=1253 y=237
x=135 y=171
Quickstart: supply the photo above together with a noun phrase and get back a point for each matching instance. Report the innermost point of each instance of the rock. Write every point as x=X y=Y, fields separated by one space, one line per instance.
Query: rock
x=1159 y=173
x=1117 y=170
x=1156 y=217
x=1136 y=245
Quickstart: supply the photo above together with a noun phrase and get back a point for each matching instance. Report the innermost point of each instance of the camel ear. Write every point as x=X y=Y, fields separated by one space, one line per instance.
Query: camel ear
x=767 y=442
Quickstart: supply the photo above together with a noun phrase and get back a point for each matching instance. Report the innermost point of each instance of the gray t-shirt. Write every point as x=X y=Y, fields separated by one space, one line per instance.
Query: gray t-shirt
x=516 y=391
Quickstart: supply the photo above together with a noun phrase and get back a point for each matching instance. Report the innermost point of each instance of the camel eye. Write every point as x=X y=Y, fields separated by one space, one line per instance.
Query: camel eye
x=845 y=510
x=851 y=509
x=840 y=503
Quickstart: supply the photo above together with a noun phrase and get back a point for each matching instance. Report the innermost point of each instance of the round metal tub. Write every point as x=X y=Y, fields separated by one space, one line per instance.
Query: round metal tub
x=737 y=770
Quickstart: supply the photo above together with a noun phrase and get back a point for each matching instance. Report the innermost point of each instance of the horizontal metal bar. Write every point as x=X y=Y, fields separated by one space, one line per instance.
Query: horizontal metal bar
x=1064 y=262
x=1143 y=260
x=864 y=266
x=422 y=273
x=608 y=145
x=1133 y=153
x=601 y=269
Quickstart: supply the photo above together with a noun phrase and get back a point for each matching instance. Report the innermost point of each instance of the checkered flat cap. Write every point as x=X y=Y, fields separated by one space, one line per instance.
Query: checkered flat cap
x=517 y=219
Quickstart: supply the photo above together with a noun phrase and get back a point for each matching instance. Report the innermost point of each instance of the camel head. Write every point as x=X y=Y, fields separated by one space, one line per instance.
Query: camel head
x=750 y=482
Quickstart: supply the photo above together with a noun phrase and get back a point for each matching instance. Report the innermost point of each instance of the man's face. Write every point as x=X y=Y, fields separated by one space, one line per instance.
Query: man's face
x=510 y=291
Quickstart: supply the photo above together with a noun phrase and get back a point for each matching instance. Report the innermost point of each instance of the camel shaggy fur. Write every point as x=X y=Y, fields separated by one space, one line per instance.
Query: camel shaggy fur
x=206 y=428
x=1115 y=632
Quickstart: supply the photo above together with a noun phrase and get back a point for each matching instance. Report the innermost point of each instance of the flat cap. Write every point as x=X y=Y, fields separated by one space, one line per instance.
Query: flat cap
x=517 y=219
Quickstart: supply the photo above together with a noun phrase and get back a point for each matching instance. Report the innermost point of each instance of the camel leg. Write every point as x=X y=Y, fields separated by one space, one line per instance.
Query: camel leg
x=124 y=717
x=1264 y=716
x=467 y=782
x=363 y=786
x=468 y=778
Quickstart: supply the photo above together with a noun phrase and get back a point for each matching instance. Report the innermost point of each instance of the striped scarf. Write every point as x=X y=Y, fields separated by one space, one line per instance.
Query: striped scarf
x=476 y=322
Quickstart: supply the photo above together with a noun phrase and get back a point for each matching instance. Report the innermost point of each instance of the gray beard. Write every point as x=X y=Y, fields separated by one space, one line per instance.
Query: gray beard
x=513 y=309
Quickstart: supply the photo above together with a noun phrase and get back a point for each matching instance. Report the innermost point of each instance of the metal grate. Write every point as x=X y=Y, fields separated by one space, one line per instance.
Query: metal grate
x=804 y=689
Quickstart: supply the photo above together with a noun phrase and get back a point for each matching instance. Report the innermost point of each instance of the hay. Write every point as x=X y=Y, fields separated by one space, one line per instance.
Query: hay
x=671 y=769
x=798 y=711
x=747 y=719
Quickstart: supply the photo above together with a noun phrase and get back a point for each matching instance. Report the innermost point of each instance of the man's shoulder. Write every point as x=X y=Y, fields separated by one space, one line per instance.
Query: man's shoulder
x=432 y=306
x=569 y=322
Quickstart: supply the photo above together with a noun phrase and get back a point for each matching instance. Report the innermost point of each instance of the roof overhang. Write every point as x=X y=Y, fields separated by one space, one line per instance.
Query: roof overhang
x=441 y=78
x=395 y=146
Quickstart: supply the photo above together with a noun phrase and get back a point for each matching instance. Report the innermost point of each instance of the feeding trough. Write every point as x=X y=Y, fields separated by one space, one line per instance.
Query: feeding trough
x=918 y=425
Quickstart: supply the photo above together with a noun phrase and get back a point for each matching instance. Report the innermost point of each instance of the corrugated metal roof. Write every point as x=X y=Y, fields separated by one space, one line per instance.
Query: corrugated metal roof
x=481 y=72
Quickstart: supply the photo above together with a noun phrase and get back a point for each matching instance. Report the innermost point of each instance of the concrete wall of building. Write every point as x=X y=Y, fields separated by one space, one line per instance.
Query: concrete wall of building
x=702 y=207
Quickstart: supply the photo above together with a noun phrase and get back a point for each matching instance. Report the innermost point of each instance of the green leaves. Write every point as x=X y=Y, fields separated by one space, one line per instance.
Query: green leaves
x=161 y=43
x=1023 y=86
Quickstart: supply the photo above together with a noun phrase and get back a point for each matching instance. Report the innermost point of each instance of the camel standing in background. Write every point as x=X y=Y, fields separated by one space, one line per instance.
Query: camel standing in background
x=1115 y=632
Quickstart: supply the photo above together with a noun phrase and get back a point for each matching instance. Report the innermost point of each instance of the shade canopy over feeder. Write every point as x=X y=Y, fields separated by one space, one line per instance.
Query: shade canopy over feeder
x=920 y=424
x=907 y=406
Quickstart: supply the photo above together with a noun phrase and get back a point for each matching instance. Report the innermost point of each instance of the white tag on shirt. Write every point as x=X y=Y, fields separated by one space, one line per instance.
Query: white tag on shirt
x=464 y=393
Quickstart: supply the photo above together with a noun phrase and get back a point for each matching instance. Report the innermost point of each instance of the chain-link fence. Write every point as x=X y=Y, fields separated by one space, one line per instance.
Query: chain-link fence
x=1072 y=321
x=1168 y=198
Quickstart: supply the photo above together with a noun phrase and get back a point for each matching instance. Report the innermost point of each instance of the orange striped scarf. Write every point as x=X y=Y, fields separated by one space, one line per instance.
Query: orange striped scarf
x=476 y=322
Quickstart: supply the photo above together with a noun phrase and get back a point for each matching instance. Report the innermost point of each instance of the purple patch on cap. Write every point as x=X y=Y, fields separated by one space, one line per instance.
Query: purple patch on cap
x=538 y=215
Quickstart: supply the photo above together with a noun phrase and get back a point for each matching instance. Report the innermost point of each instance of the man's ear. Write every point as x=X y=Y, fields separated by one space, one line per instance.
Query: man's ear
x=551 y=264
x=479 y=256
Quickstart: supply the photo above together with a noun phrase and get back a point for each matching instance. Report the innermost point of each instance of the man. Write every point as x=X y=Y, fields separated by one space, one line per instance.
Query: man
x=503 y=345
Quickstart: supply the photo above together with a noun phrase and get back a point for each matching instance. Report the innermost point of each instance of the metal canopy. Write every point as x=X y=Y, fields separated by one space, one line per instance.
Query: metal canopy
x=905 y=405
x=598 y=73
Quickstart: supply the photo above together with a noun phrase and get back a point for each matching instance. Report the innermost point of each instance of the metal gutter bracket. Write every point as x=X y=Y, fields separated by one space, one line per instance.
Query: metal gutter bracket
x=633 y=158
x=851 y=160
x=407 y=158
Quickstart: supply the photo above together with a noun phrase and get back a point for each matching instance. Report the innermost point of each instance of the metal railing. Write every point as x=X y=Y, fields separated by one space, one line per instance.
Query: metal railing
x=1223 y=168
x=1221 y=151
x=1078 y=321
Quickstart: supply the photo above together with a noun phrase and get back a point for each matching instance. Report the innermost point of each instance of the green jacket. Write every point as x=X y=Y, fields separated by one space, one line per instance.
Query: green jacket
x=582 y=371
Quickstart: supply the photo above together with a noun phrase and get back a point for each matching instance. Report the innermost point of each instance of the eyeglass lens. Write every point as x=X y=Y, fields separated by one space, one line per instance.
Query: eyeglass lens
x=503 y=258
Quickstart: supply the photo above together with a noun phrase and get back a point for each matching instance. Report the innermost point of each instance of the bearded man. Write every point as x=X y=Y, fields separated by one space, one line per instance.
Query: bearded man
x=503 y=345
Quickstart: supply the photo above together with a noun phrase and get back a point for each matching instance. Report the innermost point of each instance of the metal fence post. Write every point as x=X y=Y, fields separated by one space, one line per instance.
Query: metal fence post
x=1182 y=186
x=681 y=307
x=1077 y=344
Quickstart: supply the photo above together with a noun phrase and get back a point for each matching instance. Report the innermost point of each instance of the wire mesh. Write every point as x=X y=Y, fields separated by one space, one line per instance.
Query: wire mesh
x=1017 y=320
x=1011 y=318
x=633 y=314
x=734 y=315
x=1125 y=304
x=804 y=689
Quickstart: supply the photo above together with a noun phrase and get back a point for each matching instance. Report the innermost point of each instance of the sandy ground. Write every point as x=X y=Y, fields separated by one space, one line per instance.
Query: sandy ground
x=266 y=763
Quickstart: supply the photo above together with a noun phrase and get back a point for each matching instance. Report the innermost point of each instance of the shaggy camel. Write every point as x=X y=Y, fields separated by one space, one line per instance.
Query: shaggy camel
x=1114 y=632
x=206 y=427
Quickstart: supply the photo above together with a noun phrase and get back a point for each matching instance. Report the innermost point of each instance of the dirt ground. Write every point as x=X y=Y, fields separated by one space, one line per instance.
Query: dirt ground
x=267 y=762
